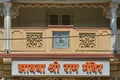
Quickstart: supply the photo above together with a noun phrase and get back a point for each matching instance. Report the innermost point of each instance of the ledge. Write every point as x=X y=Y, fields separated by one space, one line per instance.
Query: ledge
x=61 y=1
x=61 y=56
x=60 y=26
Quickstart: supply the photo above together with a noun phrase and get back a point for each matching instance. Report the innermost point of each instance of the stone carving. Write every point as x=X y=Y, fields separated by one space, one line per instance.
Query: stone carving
x=1 y=10
x=118 y=11
x=17 y=6
x=34 y=39
x=60 y=4
x=87 y=40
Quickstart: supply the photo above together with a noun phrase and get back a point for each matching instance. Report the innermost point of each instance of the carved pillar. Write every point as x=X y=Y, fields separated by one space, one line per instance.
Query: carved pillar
x=7 y=26
x=113 y=25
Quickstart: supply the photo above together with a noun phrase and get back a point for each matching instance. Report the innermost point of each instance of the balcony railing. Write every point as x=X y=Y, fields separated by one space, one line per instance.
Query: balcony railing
x=40 y=40
x=80 y=40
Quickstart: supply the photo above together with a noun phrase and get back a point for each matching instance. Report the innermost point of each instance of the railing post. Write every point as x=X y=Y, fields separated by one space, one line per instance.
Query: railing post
x=7 y=26
x=113 y=25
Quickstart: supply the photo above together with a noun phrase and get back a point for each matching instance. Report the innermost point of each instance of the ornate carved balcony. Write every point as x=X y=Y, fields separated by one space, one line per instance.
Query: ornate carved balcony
x=40 y=40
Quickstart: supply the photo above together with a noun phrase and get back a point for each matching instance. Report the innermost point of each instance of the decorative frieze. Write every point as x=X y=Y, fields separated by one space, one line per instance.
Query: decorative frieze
x=1 y=10
x=68 y=1
x=17 y=6
x=61 y=1
x=118 y=11
x=60 y=4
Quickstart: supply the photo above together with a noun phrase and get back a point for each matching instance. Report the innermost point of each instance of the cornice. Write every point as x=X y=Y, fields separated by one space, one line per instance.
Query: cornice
x=61 y=1
x=59 y=56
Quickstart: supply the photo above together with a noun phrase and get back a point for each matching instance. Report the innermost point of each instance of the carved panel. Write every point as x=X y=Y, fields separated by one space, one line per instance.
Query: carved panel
x=34 y=39
x=16 y=6
x=87 y=40
x=118 y=11
x=1 y=10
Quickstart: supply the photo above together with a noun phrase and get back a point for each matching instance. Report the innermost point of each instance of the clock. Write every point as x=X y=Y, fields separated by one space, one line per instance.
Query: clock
x=60 y=39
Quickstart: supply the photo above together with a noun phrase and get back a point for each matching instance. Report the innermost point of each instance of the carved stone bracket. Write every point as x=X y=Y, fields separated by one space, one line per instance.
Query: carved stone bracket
x=7 y=7
x=118 y=11
x=3 y=6
x=107 y=12
x=1 y=10
x=17 y=6
x=14 y=11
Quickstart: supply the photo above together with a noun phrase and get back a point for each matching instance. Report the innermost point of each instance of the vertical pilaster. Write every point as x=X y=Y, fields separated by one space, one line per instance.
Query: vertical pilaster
x=113 y=25
x=7 y=26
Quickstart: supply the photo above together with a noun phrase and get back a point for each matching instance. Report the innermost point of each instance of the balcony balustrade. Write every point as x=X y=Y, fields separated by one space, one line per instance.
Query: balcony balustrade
x=40 y=40
x=80 y=40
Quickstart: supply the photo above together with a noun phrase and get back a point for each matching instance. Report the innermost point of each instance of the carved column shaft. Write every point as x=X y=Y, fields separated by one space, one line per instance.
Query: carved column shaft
x=113 y=25
x=7 y=26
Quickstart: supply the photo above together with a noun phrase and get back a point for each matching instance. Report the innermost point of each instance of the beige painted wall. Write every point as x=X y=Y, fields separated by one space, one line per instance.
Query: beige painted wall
x=1 y=40
x=102 y=43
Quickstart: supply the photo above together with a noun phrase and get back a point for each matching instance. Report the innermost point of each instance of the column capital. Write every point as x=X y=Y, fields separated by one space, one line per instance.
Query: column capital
x=6 y=8
x=118 y=11
x=7 y=4
x=114 y=5
x=112 y=8
x=1 y=10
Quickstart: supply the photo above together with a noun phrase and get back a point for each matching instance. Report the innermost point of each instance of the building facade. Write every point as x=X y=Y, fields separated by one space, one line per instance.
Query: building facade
x=59 y=39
